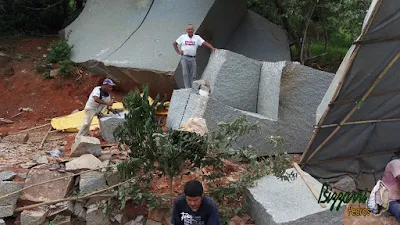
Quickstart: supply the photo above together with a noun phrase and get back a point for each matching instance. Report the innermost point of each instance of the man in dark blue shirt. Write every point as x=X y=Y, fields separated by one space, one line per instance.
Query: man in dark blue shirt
x=193 y=208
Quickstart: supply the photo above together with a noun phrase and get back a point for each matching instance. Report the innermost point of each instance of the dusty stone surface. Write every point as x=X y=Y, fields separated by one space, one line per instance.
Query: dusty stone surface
x=91 y=181
x=177 y=107
x=6 y=211
x=86 y=161
x=34 y=217
x=62 y=208
x=46 y=192
x=41 y=160
x=86 y=145
x=2 y=222
x=268 y=205
x=345 y=184
x=95 y=216
x=7 y=175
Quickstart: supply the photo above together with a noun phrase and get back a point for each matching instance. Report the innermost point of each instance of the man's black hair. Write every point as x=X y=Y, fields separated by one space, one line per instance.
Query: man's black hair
x=193 y=188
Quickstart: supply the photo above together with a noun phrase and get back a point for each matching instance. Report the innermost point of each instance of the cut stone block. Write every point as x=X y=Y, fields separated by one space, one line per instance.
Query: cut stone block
x=79 y=211
x=345 y=184
x=61 y=209
x=108 y=125
x=2 y=222
x=86 y=145
x=234 y=79
x=91 y=181
x=7 y=175
x=273 y=201
x=195 y=107
x=269 y=89
x=94 y=216
x=34 y=217
x=50 y=191
x=87 y=161
x=177 y=107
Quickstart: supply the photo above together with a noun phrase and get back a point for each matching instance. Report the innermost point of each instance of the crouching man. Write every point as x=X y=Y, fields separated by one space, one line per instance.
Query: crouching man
x=194 y=208
x=391 y=178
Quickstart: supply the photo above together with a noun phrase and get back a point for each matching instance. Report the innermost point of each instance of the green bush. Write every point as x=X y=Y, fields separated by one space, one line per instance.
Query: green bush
x=66 y=67
x=59 y=51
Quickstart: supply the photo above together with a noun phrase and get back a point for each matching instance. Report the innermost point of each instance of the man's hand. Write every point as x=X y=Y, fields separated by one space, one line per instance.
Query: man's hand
x=213 y=49
x=180 y=52
x=110 y=103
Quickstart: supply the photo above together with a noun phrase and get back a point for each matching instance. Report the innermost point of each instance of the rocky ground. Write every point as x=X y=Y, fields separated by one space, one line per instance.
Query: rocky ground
x=28 y=101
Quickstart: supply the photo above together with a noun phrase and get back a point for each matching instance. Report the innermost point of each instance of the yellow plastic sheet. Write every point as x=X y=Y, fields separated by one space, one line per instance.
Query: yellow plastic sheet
x=73 y=122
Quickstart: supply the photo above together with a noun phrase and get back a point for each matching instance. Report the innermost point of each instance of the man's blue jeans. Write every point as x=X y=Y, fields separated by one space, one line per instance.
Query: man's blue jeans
x=394 y=209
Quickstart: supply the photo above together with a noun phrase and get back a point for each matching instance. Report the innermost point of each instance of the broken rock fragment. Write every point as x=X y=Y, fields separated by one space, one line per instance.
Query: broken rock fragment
x=8 y=204
x=86 y=145
x=86 y=161
x=57 y=189
x=34 y=217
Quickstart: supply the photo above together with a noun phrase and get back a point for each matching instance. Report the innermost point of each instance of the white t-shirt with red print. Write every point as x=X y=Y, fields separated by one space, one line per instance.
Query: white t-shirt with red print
x=189 y=45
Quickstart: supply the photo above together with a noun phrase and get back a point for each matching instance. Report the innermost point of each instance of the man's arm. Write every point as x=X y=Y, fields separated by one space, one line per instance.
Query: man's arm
x=175 y=216
x=209 y=46
x=98 y=100
x=214 y=217
x=177 y=49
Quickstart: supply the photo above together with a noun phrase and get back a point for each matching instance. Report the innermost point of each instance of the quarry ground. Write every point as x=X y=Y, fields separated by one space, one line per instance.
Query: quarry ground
x=21 y=86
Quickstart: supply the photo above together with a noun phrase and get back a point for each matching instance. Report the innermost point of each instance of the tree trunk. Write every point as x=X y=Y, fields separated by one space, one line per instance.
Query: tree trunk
x=292 y=33
x=305 y=31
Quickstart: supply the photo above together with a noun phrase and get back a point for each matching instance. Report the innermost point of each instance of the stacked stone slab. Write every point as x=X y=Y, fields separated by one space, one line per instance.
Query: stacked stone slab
x=273 y=201
x=281 y=97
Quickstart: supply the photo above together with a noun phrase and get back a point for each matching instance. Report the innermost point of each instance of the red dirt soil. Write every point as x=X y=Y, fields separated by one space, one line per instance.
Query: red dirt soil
x=26 y=88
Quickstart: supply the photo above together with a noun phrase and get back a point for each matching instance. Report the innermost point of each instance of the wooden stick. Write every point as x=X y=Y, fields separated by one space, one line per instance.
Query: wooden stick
x=351 y=100
x=45 y=182
x=378 y=79
x=70 y=198
x=17 y=114
x=352 y=157
x=300 y=171
x=41 y=144
x=33 y=128
x=339 y=86
x=360 y=122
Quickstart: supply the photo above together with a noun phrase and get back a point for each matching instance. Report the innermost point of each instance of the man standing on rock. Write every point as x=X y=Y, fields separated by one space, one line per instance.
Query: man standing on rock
x=189 y=43
x=98 y=101
x=194 y=208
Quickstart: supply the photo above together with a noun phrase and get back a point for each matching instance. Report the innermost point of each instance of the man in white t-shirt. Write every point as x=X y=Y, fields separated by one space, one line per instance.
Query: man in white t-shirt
x=99 y=100
x=189 y=43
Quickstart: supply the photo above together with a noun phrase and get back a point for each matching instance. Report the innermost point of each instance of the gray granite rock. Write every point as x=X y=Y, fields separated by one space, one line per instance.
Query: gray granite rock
x=2 y=222
x=195 y=107
x=177 y=107
x=267 y=42
x=86 y=161
x=7 y=187
x=234 y=79
x=7 y=210
x=91 y=181
x=41 y=160
x=34 y=217
x=7 y=175
x=95 y=216
x=346 y=184
x=86 y=145
x=269 y=89
x=273 y=201
x=108 y=125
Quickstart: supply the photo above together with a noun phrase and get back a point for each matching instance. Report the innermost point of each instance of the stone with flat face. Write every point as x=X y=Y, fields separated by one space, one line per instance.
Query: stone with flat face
x=57 y=189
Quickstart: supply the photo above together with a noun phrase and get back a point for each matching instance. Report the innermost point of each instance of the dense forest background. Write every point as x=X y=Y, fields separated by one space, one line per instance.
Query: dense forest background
x=320 y=31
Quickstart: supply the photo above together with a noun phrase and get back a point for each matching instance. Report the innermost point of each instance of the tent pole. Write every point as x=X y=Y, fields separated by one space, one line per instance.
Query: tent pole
x=347 y=69
x=377 y=40
x=361 y=122
x=352 y=157
x=378 y=79
x=383 y=93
